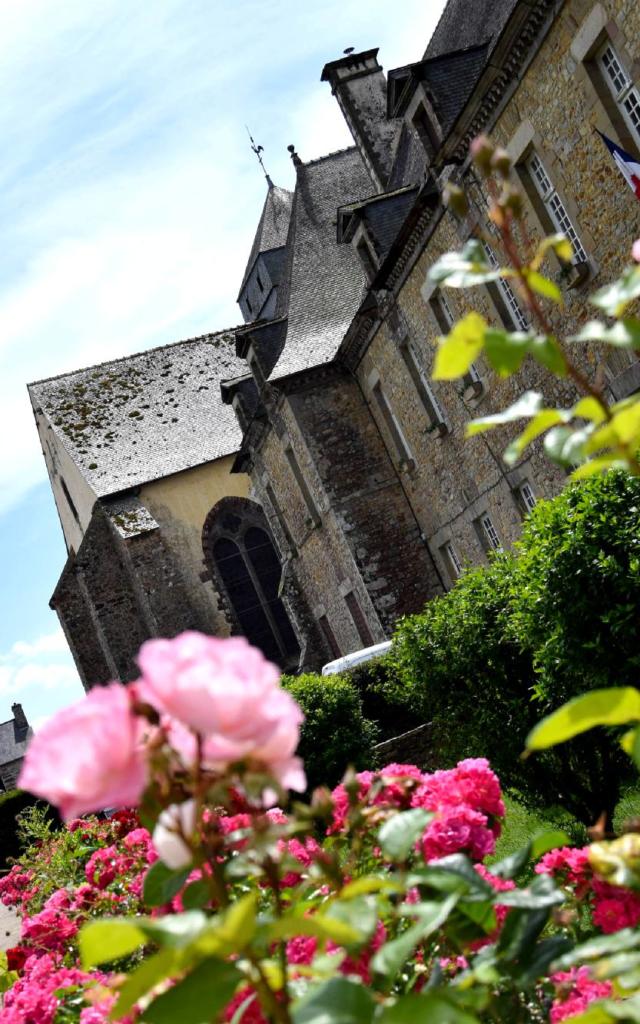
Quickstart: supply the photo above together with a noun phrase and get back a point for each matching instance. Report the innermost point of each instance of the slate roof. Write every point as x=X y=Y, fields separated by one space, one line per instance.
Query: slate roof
x=451 y=79
x=13 y=741
x=410 y=159
x=324 y=281
x=272 y=227
x=466 y=23
x=137 y=419
x=383 y=215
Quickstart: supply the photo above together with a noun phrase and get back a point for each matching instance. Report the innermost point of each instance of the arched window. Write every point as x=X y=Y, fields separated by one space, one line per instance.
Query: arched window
x=245 y=566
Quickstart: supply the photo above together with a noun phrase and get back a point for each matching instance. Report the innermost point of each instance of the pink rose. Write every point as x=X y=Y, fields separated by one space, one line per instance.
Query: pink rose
x=228 y=692
x=635 y=250
x=88 y=756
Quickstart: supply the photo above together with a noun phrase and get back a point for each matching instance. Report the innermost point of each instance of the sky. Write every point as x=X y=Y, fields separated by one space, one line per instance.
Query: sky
x=129 y=198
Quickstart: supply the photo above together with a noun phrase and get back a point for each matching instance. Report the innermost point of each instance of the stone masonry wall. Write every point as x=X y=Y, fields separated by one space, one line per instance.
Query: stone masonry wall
x=456 y=479
x=365 y=538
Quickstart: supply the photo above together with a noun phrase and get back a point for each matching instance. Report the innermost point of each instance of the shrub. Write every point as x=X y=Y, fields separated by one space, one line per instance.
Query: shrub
x=11 y=806
x=336 y=732
x=519 y=637
x=386 y=697
x=577 y=588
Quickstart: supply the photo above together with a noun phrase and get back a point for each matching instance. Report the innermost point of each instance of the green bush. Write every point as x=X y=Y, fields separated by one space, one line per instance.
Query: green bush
x=336 y=732
x=516 y=639
x=386 y=698
x=12 y=804
x=577 y=589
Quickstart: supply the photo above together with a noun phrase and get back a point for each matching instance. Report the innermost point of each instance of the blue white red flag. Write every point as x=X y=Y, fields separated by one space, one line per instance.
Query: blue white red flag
x=628 y=165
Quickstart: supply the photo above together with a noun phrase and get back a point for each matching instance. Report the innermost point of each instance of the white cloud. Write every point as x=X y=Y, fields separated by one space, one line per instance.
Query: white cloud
x=33 y=668
x=50 y=643
x=128 y=194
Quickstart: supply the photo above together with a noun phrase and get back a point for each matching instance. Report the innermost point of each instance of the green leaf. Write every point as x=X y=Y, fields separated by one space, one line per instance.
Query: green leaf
x=457 y=351
x=393 y=955
x=546 y=351
x=543 y=286
x=196 y=895
x=615 y=297
x=109 y=939
x=549 y=839
x=467 y=268
x=613 y=706
x=429 y=1008
x=527 y=405
x=232 y=932
x=175 y=930
x=360 y=914
x=370 y=883
x=541 y=843
x=197 y=998
x=145 y=977
x=595 y=949
x=455 y=870
x=624 y=334
x=601 y=464
x=506 y=350
x=161 y=884
x=560 y=245
x=630 y=743
x=337 y=1001
x=319 y=925
x=399 y=834
x=544 y=420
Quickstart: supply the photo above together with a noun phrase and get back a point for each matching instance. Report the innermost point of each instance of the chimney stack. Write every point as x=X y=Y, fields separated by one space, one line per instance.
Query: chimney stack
x=19 y=717
x=358 y=83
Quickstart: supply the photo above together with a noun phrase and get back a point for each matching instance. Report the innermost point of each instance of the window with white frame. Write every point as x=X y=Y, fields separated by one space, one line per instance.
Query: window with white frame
x=451 y=560
x=507 y=294
x=392 y=423
x=422 y=383
x=444 y=319
x=554 y=206
x=487 y=533
x=527 y=497
x=441 y=311
x=619 y=83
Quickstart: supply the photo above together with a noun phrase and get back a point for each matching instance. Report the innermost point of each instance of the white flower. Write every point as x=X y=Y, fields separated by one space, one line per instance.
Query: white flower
x=174 y=823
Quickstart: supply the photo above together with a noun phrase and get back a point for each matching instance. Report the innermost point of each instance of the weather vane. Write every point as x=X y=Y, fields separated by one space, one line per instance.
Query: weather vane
x=258 y=150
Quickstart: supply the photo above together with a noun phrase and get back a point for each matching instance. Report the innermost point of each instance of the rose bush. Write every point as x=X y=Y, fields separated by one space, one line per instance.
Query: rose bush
x=372 y=903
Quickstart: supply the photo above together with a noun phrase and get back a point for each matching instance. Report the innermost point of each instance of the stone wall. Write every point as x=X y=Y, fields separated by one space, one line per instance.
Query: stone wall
x=118 y=591
x=359 y=536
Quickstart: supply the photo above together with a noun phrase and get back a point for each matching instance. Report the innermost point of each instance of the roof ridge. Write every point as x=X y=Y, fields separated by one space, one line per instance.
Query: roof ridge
x=143 y=352
x=327 y=156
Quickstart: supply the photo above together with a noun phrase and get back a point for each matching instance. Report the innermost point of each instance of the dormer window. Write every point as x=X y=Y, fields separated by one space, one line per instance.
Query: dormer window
x=423 y=124
x=367 y=258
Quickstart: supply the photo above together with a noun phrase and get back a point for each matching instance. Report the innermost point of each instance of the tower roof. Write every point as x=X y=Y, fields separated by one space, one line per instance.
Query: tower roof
x=272 y=227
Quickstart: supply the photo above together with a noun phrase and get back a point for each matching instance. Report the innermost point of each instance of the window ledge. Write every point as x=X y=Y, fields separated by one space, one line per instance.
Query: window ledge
x=576 y=274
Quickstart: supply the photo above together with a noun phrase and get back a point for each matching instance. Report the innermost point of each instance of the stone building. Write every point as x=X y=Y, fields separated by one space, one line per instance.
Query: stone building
x=316 y=423
x=14 y=739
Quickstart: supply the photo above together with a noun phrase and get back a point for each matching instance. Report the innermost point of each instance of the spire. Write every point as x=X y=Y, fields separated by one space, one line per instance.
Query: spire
x=259 y=150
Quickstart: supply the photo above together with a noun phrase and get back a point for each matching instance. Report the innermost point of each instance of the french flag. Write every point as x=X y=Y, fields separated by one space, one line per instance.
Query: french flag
x=628 y=166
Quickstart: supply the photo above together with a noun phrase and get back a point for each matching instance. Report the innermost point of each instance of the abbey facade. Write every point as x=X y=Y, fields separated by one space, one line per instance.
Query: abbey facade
x=301 y=479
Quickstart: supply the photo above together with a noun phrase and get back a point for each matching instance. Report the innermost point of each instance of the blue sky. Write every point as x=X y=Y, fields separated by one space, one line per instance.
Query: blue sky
x=128 y=201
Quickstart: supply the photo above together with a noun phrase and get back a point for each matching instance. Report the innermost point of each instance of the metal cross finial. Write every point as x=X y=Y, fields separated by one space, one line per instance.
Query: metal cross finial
x=258 y=150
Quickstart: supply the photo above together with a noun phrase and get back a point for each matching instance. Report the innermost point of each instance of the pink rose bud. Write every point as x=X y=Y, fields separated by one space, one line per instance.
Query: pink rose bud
x=635 y=250
x=175 y=825
x=230 y=694
x=88 y=756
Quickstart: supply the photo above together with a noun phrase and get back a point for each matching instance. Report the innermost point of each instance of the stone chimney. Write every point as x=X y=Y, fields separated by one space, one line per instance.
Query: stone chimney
x=19 y=717
x=360 y=87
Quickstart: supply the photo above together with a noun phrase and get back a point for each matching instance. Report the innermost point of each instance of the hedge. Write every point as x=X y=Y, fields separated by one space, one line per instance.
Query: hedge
x=512 y=641
x=336 y=732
